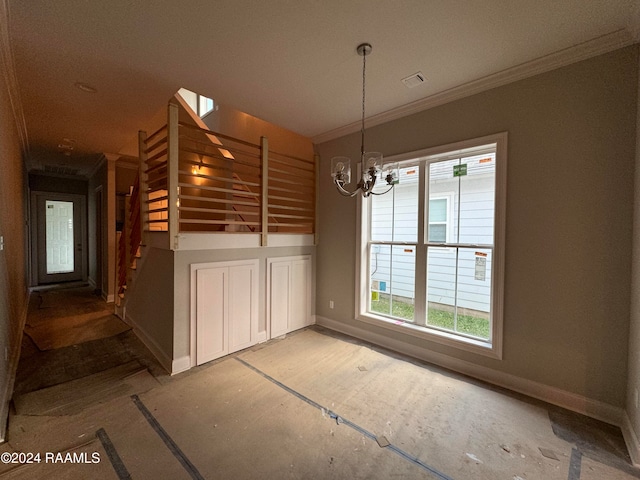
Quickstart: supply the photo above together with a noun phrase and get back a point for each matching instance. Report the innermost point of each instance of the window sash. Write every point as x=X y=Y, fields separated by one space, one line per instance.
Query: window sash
x=424 y=244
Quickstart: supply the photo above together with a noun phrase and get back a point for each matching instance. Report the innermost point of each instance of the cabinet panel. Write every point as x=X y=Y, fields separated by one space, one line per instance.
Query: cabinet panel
x=280 y=273
x=242 y=300
x=211 y=314
x=299 y=313
x=289 y=294
x=224 y=298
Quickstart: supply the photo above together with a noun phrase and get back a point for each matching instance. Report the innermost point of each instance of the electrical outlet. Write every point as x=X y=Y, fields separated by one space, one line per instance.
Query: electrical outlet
x=330 y=303
x=1 y=242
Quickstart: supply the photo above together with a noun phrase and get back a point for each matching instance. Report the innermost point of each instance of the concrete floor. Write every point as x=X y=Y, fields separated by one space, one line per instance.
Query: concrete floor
x=312 y=405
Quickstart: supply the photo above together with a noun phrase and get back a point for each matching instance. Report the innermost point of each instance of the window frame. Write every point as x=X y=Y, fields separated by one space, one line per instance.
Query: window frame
x=494 y=346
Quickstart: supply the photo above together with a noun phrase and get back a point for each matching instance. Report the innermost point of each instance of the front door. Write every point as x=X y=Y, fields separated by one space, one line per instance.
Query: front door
x=60 y=237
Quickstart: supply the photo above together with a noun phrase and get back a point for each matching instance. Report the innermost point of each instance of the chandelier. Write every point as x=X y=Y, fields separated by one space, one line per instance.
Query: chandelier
x=370 y=162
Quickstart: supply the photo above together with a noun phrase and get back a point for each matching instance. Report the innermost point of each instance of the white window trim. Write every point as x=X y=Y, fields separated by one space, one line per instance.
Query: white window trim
x=493 y=349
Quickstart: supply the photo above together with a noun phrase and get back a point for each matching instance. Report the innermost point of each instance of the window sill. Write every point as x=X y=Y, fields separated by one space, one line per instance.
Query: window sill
x=437 y=336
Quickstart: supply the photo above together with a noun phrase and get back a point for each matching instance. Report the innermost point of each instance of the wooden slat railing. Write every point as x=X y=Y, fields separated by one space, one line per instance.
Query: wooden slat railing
x=222 y=184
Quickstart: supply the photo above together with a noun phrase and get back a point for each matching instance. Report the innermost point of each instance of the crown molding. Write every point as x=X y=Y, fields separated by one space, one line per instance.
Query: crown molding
x=598 y=46
x=9 y=69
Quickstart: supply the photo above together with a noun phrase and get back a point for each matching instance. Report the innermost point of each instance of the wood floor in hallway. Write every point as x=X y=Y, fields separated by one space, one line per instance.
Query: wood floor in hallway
x=311 y=405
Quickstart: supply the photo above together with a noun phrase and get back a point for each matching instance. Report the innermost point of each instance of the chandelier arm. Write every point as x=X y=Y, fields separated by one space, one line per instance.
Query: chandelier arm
x=382 y=193
x=343 y=191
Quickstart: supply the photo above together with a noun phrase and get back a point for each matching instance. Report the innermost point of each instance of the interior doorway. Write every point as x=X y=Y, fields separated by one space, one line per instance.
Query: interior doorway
x=58 y=223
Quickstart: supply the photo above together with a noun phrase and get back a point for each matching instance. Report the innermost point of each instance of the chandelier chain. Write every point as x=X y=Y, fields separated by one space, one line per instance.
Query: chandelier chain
x=364 y=68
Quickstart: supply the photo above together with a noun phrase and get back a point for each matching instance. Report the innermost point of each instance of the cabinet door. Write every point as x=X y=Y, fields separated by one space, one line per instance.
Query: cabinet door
x=279 y=297
x=300 y=294
x=242 y=305
x=211 y=314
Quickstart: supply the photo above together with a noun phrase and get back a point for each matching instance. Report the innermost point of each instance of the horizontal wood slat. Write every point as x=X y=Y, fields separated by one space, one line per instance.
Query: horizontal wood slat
x=219 y=179
x=217 y=222
x=217 y=210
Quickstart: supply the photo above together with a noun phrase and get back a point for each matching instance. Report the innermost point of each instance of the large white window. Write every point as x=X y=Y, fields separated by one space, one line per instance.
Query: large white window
x=432 y=250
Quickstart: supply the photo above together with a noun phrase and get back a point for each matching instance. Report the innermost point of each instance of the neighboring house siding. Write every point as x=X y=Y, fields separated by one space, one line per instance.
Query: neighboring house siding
x=396 y=265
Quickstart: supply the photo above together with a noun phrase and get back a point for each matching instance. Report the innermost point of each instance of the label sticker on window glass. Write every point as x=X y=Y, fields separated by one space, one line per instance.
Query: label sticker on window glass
x=481 y=266
x=460 y=170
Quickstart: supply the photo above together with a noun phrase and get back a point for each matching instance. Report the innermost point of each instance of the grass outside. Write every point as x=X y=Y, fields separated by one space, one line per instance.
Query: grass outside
x=467 y=324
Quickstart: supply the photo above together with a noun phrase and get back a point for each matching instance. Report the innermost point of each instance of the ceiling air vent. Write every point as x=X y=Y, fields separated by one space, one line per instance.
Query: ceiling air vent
x=414 y=80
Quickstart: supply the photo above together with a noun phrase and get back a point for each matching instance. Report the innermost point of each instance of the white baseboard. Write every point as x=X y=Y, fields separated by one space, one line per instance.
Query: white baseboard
x=180 y=365
x=111 y=298
x=12 y=363
x=162 y=357
x=556 y=396
x=631 y=439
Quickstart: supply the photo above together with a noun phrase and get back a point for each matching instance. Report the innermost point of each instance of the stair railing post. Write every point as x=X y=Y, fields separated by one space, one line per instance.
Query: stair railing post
x=127 y=239
x=143 y=187
x=264 y=170
x=173 y=190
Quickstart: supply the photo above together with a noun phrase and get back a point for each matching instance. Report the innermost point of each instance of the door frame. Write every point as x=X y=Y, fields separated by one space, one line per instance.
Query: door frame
x=99 y=240
x=35 y=232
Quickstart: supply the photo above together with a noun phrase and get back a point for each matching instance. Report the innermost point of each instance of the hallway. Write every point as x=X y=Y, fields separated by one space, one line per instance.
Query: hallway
x=71 y=333
x=313 y=404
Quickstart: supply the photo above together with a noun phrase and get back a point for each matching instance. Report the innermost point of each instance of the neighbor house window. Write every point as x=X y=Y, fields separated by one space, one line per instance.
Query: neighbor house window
x=438 y=215
x=433 y=247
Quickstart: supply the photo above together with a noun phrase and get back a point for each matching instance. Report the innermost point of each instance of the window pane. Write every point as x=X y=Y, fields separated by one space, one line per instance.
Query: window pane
x=59 y=236
x=206 y=105
x=437 y=210
x=394 y=215
x=442 y=184
x=438 y=220
x=477 y=196
x=392 y=286
x=459 y=303
x=474 y=292
x=441 y=287
x=438 y=233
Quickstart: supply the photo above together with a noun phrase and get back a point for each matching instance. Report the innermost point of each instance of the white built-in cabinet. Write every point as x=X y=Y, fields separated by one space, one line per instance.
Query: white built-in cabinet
x=288 y=294
x=224 y=299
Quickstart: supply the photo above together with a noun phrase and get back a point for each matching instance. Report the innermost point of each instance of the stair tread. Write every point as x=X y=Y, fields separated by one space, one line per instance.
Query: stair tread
x=71 y=397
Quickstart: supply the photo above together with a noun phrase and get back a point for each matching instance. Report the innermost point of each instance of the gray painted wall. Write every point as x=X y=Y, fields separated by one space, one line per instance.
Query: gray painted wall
x=571 y=158
x=13 y=271
x=633 y=385
x=150 y=302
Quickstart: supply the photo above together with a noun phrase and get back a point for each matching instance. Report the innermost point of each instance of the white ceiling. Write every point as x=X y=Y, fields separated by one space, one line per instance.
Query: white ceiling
x=292 y=63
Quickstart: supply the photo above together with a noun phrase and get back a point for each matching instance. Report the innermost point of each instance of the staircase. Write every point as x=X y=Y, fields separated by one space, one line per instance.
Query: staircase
x=129 y=250
x=194 y=180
